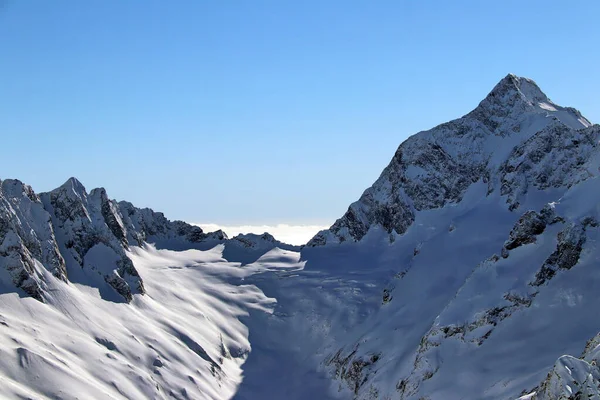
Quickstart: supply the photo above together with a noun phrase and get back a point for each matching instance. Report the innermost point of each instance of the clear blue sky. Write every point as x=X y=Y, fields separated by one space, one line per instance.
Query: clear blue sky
x=262 y=111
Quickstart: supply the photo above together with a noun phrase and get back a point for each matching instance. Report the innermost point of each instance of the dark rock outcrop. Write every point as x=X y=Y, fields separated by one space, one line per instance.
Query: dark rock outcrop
x=515 y=140
x=529 y=225
x=68 y=229
x=568 y=249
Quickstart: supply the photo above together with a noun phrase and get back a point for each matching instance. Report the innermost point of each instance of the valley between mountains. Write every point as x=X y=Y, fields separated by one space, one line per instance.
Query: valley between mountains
x=468 y=270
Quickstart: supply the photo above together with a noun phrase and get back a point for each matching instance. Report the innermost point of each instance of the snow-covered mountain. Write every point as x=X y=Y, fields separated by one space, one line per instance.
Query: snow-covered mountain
x=80 y=237
x=514 y=139
x=486 y=227
x=467 y=271
x=100 y=299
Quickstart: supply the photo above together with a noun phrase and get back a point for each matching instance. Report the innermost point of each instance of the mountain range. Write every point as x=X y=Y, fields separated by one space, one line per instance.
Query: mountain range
x=467 y=271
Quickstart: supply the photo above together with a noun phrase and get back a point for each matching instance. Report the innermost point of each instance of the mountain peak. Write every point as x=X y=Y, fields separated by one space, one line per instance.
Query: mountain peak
x=73 y=184
x=515 y=95
x=524 y=88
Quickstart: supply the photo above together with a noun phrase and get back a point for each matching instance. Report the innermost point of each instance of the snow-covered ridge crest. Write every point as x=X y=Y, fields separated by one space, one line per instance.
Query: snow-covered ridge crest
x=490 y=284
x=26 y=240
x=515 y=94
x=515 y=122
x=482 y=234
x=80 y=237
x=180 y=334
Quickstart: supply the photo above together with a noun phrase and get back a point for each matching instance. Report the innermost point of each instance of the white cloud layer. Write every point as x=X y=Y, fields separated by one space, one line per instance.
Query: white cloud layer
x=291 y=234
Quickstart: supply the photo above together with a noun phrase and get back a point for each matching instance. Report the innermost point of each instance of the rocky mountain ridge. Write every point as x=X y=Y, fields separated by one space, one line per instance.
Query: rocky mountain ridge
x=505 y=142
x=487 y=234
x=84 y=238
x=468 y=270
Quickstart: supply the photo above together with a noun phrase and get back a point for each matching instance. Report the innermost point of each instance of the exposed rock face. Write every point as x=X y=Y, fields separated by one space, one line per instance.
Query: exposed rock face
x=33 y=225
x=572 y=377
x=554 y=157
x=112 y=216
x=27 y=235
x=528 y=227
x=144 y=224
x=482 y=175
x=569 y=247
x=353 y=370
x=516 y=139
x=85 y=221
x=20 y=265
x=69 y=229
x=482 y=324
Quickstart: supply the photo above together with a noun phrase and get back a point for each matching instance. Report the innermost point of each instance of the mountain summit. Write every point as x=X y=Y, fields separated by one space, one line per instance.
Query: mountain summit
x=484 y=231
x=513 y=86
x=523 y=95
x=437 y=167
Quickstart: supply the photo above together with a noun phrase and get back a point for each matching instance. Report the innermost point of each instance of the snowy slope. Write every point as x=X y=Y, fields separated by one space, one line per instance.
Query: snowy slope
x=95 y=302
x=435 y=168
x=83 y=238
x=182 y=339
x=487 y=248
x=467 y=271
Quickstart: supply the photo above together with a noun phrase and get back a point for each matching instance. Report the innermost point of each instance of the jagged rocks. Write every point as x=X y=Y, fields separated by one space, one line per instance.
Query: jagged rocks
x=353 y=370
x=217 y=235
x=68 y=228
x=145 y=225
x=516 y=140
x=111 y=215
x=87 y=221
x=192 y=233
x=529 y=225
x=552 y=158
x=251 y=240
x=395 y=216
x=320 y=239
x=17 y=261
x=26 y=234
x=387 y=296
x=25 y=215
x=441 y=179
x=569 y=247
x=570 y=379
x=516 y=151
x=263 y=242
x=525 y=230
x=120 y=285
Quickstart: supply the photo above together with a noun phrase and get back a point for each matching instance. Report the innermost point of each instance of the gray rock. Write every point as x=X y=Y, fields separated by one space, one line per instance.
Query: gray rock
x=59 y=230
x=509 y=142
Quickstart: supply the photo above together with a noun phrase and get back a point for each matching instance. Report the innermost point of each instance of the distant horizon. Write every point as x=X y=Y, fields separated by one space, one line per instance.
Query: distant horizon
x=286 y=233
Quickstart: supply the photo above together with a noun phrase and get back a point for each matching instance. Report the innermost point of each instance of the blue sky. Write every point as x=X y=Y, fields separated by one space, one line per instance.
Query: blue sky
x=262 y=112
